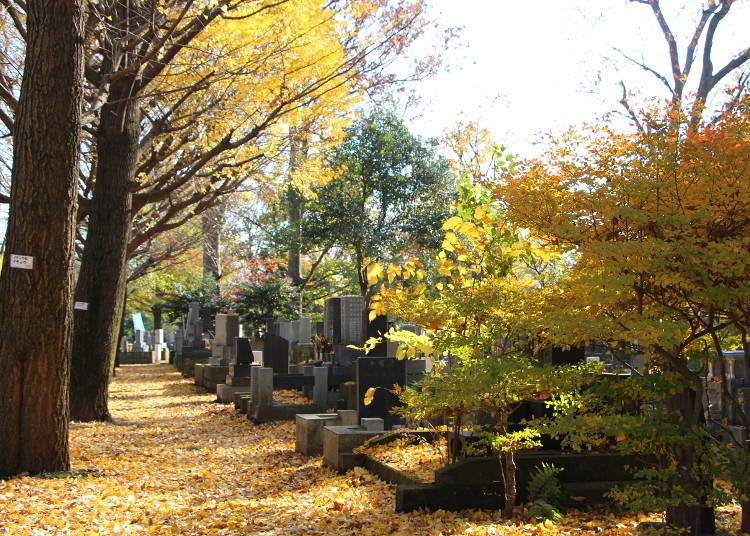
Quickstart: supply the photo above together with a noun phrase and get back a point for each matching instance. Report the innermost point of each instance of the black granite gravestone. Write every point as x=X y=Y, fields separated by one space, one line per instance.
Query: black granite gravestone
x=571 y=356
x=377 y=327
x=382 y=373
x=276 y=353
x=242 y=351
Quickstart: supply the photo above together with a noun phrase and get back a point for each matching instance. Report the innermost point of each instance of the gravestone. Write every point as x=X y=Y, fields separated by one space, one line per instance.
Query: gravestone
x=561 y=356
x=239 y=373
x=377 y=327
x=381 y=373
x=194 y=329
x=227 y=329
x=243 y=352
x=179 y=342
x=344 y=326
x=139 y=345
x=276 y=353
x=158 y=345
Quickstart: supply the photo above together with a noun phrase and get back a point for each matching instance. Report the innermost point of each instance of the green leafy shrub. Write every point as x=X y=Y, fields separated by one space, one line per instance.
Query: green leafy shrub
x=545 y=493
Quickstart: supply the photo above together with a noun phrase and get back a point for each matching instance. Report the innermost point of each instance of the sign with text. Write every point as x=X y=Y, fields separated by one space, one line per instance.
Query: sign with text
x=81 y=306
x=25 y=262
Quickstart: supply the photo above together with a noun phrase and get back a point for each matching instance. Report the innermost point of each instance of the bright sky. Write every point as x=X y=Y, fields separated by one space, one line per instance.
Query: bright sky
x=533 y=66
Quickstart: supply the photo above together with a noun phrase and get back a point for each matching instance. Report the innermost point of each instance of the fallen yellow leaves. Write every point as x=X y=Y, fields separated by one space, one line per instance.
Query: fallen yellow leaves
x=175 y=463
x=411 y=454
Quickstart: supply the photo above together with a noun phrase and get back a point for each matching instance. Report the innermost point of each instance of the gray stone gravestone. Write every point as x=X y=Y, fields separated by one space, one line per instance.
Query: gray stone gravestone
x=344 y=326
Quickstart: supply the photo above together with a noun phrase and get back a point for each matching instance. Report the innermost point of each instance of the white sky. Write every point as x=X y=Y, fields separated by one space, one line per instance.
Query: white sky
x=532 y=66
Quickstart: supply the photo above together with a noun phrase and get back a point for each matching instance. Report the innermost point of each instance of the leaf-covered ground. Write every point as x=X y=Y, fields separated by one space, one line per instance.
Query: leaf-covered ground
x=418 y=458
x=174 y=462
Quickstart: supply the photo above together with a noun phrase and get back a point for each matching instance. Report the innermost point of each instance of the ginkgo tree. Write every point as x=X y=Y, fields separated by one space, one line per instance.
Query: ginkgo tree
x=188 y=110
x=655 y=226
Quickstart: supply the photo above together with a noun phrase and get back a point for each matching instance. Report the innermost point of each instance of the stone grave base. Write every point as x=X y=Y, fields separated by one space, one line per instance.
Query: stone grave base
x=240 y=402
x=281 y=412
x=198 y=373
x=309 y=429
x=213 y=376
x=134 y=358
x=225 y=392
x=339 y=443
x=188 y=365
x=475 y=482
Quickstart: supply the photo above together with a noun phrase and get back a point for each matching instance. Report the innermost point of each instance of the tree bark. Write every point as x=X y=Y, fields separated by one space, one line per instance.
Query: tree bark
x=295 y=203
x=212 y=223
x=35 y=305
x=101 y=281
x=691 y=518
x=294 y=217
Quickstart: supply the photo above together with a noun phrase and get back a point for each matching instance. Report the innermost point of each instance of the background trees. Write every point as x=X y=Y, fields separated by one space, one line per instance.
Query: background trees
x=391 y=194
x=238 y=66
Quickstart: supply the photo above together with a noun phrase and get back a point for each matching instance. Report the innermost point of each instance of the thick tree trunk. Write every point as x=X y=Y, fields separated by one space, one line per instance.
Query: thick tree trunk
x=35 y=304
x=745 y=524
x=156 y=312
x=101 y=281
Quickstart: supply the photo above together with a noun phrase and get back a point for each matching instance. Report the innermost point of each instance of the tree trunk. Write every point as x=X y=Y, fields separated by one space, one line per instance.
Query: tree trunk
x=156 y=312
x=294 y=218
x=101 y=281
x=212 y=223
x=745 y=524
x=509 y=470
x=691 y=518
x=295 y=202
x=35 y=304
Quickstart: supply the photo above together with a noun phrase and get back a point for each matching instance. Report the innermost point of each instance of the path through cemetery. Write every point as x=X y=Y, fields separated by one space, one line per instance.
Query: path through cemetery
x=175 y=462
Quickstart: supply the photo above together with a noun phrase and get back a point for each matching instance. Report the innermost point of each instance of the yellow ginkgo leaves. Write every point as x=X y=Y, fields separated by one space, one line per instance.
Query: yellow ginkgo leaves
x=369 y=396
x=175 y=463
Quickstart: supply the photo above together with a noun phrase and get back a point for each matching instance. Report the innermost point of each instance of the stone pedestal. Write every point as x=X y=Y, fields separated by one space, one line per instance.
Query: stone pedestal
x=226 y=393
x=213 y=375
x=338 y=444
x=309 y=429
x=237 y=381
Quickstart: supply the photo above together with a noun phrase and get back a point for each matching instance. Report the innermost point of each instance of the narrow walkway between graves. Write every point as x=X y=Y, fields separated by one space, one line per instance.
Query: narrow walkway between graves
x=174 y=462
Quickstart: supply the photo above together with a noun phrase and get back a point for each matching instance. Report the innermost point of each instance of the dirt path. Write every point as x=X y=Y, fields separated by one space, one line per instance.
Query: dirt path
x=174 y=462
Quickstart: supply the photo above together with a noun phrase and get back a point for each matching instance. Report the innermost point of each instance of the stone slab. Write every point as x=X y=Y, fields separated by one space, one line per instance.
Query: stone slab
x=342 y=440
x=309 y=429
x=225 y=393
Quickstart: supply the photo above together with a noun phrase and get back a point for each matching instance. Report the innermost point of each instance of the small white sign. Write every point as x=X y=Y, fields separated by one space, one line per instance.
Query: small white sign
x=82 y=305
x=22 y=261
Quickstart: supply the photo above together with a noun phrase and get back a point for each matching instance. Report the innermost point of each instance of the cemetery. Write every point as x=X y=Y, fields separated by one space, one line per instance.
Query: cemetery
x=391 y=267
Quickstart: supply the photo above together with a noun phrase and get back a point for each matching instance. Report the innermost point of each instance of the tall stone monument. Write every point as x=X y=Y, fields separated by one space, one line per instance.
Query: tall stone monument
x=343 y=324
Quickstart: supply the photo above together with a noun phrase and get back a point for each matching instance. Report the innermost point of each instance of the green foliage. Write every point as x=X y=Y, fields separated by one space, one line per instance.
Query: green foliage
x=267 y=297
x=201 y=290
x=544 y=484
x=541 y=510
x=392 y=193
